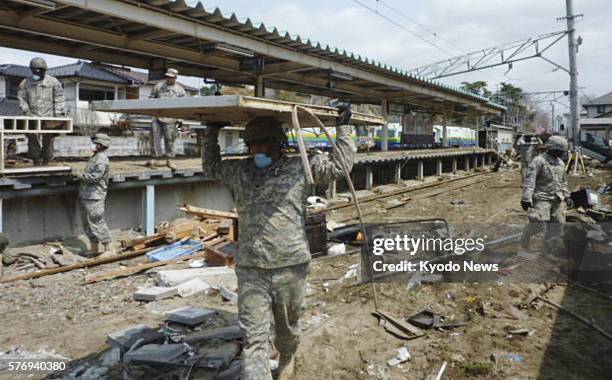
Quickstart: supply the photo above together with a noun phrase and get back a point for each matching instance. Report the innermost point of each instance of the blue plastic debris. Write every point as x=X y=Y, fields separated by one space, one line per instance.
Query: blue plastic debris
x=180 y=248
x=514 y=358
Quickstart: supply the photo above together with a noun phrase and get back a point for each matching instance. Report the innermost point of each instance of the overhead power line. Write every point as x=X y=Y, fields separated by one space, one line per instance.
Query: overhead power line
x=433 y=44
x=401 y=26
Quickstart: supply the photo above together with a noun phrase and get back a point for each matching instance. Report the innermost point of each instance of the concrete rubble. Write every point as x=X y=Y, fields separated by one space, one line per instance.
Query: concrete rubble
x=155 y=293
x=213 y=276
x=190 y=316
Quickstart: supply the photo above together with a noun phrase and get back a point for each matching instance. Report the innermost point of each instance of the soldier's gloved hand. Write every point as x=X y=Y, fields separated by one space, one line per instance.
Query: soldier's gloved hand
x=526 y=205
x=569 y=202
x=345 y=113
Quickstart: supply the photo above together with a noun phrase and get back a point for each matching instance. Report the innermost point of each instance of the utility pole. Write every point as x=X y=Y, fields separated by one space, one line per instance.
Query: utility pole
x=552 y=119
x=573 y=72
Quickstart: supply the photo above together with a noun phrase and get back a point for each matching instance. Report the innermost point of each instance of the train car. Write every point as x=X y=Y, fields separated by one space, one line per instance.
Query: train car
x=314 y=138
x=456 y=136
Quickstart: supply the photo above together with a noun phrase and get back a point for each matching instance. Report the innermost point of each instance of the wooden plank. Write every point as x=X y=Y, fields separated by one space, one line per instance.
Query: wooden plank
x=139 y=268
x=80 y=265
x=207 y=213
x=37 y=169
x=231 y=109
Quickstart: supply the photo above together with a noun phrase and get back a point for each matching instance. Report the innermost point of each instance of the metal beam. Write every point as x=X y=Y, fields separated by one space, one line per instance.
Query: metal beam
x=46 y=27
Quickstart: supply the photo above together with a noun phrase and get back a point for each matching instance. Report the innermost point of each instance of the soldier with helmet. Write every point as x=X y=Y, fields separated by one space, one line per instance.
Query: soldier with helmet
x=41 y=95
x=165 y=127
x=270 y=192
x=545 y=193
x=93 y=188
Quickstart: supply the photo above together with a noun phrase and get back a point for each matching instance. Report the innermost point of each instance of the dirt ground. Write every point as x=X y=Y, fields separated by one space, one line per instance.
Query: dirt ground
x=341 y=339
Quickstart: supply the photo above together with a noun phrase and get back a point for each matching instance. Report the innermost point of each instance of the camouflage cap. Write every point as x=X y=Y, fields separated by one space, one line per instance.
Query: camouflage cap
x=263 y=128
x=102 y=139
x=557 y=143
x=38 y=63
x=172 y=73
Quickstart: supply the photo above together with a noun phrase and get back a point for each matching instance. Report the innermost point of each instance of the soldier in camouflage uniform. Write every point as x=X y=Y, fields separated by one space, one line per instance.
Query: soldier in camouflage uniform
x=165 y=126
x=41 y=95
x=92 y=195
x=270 y=191
x=545 y=191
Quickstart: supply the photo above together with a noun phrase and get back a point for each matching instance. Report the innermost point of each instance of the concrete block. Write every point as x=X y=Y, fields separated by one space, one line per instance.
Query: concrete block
x=219 y=356
x=213 y=276
x=192 y=287
x=190 y=316
x=125 y=339
x=223 y=333
x=154 y=293
x=156 y=354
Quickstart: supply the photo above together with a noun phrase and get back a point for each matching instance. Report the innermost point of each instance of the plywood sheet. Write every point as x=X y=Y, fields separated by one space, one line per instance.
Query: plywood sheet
x=231 y=109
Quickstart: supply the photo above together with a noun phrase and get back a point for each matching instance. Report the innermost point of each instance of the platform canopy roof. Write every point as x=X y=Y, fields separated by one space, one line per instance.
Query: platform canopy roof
x=205 y=42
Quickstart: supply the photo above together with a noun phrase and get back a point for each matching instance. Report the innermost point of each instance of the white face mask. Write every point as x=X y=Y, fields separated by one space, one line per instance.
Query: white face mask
x=36 y=77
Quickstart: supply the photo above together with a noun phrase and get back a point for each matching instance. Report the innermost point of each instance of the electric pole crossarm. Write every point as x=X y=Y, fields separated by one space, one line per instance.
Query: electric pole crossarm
x=491 y=57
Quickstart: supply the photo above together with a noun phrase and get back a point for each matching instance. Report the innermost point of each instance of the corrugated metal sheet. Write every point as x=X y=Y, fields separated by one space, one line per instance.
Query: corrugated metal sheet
x=273 y=35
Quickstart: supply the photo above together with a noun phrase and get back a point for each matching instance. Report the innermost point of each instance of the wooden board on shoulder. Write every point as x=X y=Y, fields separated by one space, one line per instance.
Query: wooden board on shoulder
x=231 y=109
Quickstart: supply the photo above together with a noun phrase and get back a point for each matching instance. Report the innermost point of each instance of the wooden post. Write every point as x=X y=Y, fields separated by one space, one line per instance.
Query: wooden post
x=444 y=131
x=477 y=134
x=467 y=163
x=420 y=175
x=384 y=139
x=439 y=168
x=369 y=178
x=331 y=189
x=454 y=166
x=475 y=161
x=148 y=209
x=260 y=90
x=398 y=172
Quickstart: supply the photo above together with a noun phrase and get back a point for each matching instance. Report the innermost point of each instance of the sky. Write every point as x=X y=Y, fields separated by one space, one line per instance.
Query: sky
x=454 y=26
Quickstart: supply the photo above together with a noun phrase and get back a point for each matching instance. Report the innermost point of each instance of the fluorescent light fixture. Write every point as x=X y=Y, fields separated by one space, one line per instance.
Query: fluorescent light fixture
x=220 y=46
x=339 y=75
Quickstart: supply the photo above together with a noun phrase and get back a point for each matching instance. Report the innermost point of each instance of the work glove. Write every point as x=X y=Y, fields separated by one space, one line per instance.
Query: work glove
x=526 y=205
x=344 y=109
x=569 y=202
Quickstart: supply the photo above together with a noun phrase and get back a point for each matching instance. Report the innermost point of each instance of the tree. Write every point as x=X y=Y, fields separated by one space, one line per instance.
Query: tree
x=476 y=88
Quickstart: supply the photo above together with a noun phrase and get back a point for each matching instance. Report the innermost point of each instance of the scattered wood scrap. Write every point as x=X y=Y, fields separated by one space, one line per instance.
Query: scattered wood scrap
x=207 y=213
x=80 y=265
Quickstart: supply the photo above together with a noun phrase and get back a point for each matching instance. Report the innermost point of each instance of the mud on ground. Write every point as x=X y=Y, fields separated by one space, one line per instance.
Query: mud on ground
x=342 y=340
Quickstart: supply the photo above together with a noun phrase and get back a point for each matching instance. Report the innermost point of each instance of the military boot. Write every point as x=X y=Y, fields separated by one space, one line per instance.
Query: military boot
x=286 y=367
x=95 y=249
x=170 y=164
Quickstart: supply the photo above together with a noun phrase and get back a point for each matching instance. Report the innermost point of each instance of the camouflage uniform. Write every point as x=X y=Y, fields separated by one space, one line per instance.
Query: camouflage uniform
x=272 y=262
x=164 y=126
x=545 y=187
x=43 y=98
x=92 y=194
